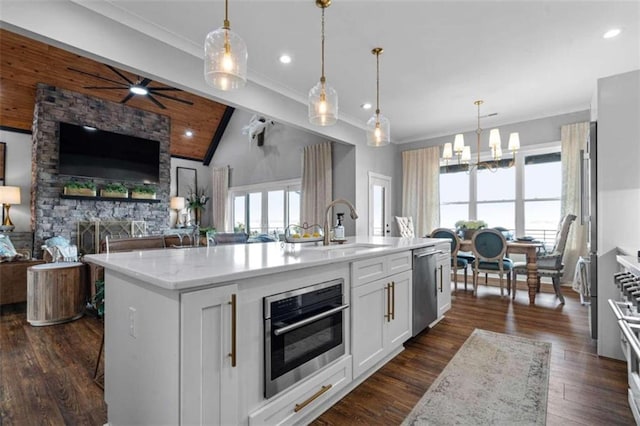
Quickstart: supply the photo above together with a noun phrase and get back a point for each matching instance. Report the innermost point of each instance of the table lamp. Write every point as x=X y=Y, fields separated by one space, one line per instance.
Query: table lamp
x=177 y=204
x=8 y=195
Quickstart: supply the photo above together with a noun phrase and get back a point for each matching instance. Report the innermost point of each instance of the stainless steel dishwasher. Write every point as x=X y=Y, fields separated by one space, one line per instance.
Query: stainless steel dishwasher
x=425 y=289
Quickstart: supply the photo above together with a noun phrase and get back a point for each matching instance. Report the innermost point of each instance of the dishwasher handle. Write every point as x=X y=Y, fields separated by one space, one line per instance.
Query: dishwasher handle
x=428 y=253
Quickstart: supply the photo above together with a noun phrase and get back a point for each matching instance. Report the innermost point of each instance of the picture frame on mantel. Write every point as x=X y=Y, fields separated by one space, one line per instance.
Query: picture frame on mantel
x=186 y=181
x=3 y=156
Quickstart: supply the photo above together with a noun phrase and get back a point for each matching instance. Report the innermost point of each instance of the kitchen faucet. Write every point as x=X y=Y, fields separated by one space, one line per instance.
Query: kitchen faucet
x=352 y=213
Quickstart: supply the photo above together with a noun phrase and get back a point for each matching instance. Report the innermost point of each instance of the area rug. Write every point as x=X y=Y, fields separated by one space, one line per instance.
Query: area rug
x=493 y=379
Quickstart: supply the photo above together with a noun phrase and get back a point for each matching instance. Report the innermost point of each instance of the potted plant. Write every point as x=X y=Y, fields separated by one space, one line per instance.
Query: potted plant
x=146 y=192
x=466 y=228
x=86 y=189
x=114 y=190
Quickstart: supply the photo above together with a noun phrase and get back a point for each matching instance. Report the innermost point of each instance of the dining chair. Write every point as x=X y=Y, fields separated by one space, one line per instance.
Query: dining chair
x=489 y=247
x=457 y=262
x=405 y=226
x=549 y=263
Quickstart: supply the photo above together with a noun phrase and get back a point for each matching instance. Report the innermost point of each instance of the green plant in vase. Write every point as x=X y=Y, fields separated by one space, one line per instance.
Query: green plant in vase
x=117 y=190
x=144 y=191
x=196 y=202
x=466 y=228
x=87 y=189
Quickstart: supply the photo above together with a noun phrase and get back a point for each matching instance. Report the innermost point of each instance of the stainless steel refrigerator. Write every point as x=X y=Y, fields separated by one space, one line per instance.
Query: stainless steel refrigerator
x=589 y=207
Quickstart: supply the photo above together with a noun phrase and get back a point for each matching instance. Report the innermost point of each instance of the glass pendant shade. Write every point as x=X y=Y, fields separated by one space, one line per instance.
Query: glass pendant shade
x=225 y=60
x=378 y=130
x=323 y=105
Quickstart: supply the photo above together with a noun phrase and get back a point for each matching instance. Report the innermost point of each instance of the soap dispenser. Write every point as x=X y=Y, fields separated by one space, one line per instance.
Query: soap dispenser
x=338 y=231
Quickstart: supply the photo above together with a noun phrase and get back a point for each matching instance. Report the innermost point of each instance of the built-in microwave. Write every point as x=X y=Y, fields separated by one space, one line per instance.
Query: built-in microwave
x=304 y=330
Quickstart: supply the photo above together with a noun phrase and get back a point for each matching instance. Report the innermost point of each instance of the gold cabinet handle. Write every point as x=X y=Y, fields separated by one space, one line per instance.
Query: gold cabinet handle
x=233 y=330
x=393 y=300
x=313 y=397
x=387 y=288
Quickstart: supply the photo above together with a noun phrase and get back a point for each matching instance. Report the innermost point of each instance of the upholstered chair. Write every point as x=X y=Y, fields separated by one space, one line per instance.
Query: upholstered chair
x=489 y=248
x=550 y=263
x=457 y=262
x=405 y=226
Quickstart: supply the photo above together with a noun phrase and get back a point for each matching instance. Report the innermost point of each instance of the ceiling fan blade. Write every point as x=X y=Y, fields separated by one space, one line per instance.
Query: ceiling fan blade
x=155 y=89
x=155 y=101
x=122 y=76
x=126 y=98
x=94 y=75
x=145 y=82
x=170 y=97
x=105 y=87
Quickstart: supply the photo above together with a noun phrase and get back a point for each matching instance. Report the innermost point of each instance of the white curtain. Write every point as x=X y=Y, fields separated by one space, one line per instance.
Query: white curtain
x=220 y=197
x=573 y=138
x=420 y=188
x=316 y=182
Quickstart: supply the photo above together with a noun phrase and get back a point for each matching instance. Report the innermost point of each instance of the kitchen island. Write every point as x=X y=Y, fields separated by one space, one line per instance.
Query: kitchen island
x=185 y=334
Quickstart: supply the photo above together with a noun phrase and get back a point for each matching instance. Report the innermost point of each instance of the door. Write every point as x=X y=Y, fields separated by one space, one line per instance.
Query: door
x=444 y=282
x=399 y=328
x=209 y=376
x=369 y=307
x=379 y=205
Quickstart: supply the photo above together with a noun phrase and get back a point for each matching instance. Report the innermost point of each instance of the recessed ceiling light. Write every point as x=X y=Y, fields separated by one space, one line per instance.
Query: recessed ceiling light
x=612 y=33
x=89 y=128
x=365 y=105
x=285 y=59
x=188 y=133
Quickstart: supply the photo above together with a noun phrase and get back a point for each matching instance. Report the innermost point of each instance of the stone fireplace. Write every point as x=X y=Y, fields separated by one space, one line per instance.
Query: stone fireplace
x=53 y=216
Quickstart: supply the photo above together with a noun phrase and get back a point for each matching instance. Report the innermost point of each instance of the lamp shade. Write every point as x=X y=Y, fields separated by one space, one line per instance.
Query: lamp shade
x=323 y=105
x=9 y=195
x=494 y=138
x=378 y=130
x=458 y=143
x=177 y=203
x=447 y=152
x=514 y=141
x=225 y=60
x=466 y=154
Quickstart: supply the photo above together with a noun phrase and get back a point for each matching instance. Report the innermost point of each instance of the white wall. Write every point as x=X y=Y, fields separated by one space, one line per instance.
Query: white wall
x=618 y=111
x=18 y=173
x=204 y=176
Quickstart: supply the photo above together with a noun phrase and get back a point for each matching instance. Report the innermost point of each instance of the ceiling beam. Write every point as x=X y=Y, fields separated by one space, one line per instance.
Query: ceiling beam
x=222 y=126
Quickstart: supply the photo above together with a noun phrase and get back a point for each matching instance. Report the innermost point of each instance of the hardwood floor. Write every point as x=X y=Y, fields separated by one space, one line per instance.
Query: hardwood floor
x=46 y=373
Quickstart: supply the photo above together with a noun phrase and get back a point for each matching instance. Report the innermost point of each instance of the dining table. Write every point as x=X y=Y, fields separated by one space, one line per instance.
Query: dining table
x=529 y=249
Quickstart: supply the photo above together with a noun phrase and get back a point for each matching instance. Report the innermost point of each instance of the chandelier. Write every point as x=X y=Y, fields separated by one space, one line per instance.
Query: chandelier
x=323 y=99
x=225 y=57
x=463 y=152
x=378 y=127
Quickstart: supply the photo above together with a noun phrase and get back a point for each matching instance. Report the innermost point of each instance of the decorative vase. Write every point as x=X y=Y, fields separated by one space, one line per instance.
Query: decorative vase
x=468 y=234
x=197 y=214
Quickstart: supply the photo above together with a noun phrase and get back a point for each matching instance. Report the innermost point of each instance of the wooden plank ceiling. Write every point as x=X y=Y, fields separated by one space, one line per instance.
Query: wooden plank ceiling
x=25 y=62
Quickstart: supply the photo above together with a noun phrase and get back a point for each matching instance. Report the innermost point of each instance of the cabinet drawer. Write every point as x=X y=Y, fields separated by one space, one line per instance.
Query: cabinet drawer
x=399 y=262
x=305 y=398
x=365 y=271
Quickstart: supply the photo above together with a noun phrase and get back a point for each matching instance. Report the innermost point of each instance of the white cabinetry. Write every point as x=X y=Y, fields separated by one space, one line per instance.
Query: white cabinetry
x=209 y=376
x=381 y=308
x=443 y=281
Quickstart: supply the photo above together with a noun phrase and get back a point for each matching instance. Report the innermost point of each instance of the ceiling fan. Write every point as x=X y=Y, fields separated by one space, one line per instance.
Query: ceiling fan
x=139 y=87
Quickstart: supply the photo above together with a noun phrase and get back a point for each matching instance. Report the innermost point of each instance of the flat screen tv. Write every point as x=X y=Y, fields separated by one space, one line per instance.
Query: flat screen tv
x=89 y=152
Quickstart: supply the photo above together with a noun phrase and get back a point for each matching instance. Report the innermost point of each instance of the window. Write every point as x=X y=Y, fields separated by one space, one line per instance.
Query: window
x=265 y=208
x=524 y=198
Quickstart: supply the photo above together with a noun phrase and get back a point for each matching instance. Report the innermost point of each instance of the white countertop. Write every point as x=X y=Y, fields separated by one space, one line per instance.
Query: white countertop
x=180 y=269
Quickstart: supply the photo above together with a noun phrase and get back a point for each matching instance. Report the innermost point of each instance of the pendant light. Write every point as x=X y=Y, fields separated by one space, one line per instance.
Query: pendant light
x=225 y=57
x=378 y=126
x=323 y=99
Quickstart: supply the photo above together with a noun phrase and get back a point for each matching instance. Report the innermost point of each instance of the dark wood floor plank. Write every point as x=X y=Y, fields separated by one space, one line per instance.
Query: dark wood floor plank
x=46 y=373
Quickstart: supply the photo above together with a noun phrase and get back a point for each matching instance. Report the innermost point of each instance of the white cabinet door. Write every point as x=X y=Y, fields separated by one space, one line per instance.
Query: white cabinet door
x=443 y=283
x=209 y=376
x=368 y=306
x=398 y=330
x=381 y=312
